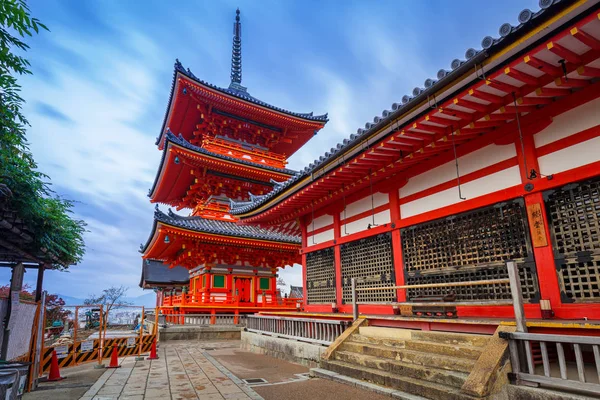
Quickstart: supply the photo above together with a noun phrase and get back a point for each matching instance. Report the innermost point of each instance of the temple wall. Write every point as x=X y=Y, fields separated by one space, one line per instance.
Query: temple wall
x=483 y=171
x=320 y=235
x=568 y=142
x=359 y=214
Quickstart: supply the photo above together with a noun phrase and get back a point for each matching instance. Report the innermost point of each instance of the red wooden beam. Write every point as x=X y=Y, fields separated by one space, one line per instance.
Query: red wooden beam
x=551 y=92
x=492 y=98
x=589 y=71
x=586 y=39
x=429 y=128
x=543 y=66
x=570 y=83
x=471 y=104
x=564 y=52
x=521 y=76
x=458 y=114
x=533 y=100
x=504 y=87
x=441 y=121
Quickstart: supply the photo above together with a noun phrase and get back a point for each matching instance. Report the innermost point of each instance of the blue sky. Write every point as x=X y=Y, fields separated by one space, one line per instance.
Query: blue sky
x=102 y=79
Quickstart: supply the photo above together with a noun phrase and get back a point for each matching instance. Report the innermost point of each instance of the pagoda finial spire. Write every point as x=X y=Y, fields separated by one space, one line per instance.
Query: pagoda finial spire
x=236 y=55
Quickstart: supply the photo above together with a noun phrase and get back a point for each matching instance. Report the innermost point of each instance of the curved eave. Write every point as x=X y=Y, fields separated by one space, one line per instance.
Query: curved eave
x=305 y=124
x=419 y=112
x=155 y=248
x=177 y=177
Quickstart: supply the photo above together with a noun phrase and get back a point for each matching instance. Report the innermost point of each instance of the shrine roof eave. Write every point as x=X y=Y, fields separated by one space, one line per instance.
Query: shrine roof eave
x=496 y=54
x=220 y=231
x=179 y=71
x=173 y=141
x=157 y=274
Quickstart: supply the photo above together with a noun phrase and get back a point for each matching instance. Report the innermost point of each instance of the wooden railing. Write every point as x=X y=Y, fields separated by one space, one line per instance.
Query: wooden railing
x=267 y=300
x=318 y=331
x=523 y=367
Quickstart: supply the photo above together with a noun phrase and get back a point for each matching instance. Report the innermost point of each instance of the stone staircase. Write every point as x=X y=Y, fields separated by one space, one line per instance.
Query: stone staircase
x=420 y=364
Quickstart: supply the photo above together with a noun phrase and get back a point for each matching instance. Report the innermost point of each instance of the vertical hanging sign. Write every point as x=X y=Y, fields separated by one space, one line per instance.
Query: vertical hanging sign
x=538 y=228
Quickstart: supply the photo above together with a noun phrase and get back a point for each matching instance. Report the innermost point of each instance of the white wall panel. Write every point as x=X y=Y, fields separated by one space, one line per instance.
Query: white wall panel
x=571 y=157
x=319 y=237
x=469 y=163
x=362 y=224
x=479 y=187
x=576 y=120
x=365 y=204
x=320 y=222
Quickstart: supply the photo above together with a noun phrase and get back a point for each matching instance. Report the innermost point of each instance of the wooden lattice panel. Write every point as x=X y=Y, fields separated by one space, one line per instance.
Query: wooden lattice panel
x=580 y=278
x=320 y=276
x=483 y=236
x=529 y=283
x=574 y=221
x=574 y=217
x=370 y=261
x=471 y=246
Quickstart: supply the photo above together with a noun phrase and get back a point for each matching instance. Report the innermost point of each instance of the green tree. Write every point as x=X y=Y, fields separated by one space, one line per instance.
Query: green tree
x=46 y=215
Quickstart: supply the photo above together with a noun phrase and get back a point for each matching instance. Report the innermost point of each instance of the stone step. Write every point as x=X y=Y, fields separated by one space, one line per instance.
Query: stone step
x=429 y=390
x=454 y=350
x=467 y=339
x=410 y=356
x=442 y=376
x=396 y=335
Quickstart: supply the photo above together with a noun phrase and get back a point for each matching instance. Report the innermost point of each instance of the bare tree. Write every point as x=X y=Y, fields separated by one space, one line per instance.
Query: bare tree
x=109 y=298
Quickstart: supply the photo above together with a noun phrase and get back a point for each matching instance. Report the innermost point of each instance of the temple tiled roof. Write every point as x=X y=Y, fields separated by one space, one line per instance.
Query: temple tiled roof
x=179 y=140
x=507 y=31
x=232 y=91
x=202 y=225
x=156 y=273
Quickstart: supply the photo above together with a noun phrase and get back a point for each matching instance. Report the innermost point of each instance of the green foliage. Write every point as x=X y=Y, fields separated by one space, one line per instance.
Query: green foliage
x=46 y=215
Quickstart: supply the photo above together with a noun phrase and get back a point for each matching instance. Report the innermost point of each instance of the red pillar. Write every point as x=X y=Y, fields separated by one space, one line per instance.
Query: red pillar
x=337 y=257
x=544 y=255
x=304 y=282
x=397 y=244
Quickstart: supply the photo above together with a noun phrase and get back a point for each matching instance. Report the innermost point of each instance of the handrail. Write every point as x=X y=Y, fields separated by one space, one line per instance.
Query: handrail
x=512 y=281
x=437 y=285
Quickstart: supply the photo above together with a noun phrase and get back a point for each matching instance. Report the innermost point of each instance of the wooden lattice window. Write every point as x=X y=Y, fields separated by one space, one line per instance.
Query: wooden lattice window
x=370 y=261
x=320 y=277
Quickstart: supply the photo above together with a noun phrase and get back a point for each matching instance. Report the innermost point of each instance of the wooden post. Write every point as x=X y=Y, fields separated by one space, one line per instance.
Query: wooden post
x=40 y=281
x=213 y=317
x=354 y=300
x=516 y=293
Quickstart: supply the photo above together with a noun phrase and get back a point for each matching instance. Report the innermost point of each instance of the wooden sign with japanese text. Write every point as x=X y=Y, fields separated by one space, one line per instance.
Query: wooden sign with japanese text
x=536 y=222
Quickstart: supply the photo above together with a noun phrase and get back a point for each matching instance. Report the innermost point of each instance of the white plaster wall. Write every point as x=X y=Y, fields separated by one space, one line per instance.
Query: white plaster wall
x=320 y=222
x=320 y=237
x=362 y=224
x=469 y=163
x=576 y=120
x=364 y=204
x=571 y=157
x=479 y=187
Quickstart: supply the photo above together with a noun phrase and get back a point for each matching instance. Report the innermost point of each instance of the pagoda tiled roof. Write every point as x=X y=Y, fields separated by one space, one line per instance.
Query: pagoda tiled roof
x=232 y=91
x=218 y=227
x=156 y=273
x=179 y=140
x=458 y=67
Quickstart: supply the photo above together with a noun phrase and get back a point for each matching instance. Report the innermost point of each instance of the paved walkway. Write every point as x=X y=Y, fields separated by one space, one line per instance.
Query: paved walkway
x=184 y=371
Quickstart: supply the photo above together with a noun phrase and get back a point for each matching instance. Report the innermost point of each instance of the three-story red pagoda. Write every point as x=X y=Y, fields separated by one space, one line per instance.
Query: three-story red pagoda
x=229 y=146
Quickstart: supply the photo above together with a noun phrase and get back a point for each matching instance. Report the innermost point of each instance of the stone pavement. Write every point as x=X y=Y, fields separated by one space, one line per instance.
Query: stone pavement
x=184 y=371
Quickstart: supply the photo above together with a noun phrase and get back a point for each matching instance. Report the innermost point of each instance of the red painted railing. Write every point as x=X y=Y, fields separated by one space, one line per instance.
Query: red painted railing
x=205 y=299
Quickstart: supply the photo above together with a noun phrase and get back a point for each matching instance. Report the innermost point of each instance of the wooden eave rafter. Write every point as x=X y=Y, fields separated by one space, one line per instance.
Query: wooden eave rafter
x=502 y=101
x=201 y=162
